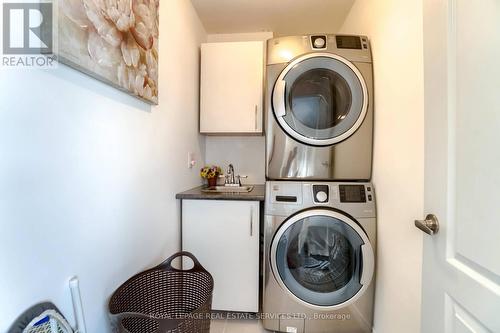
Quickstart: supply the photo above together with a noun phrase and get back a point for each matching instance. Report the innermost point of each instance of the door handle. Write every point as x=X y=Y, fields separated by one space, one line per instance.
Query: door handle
x=368 y=261
x=430 y=225
x=279 y=98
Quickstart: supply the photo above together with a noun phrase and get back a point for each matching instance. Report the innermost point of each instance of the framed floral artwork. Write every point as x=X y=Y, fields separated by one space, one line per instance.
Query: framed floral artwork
x=115 y=41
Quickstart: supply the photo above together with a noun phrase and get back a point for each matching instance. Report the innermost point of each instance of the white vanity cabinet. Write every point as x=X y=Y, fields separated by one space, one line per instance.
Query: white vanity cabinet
x=231 y=88
x=224 y=236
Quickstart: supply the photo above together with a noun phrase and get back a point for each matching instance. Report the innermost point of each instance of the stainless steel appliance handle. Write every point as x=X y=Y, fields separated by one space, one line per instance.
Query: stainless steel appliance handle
x=279 y=98
x=368 y=264
x=430 y=225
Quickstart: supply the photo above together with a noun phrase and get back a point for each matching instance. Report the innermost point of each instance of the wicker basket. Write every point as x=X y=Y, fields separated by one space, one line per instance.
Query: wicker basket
x=164 y=300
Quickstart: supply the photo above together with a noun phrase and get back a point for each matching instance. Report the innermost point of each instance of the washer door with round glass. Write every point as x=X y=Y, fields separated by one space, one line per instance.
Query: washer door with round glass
x=322 y=258
x=320 y=99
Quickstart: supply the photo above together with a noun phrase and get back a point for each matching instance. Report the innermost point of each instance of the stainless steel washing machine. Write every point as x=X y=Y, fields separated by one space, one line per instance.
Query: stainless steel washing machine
x=319 y=108
x=319 y=257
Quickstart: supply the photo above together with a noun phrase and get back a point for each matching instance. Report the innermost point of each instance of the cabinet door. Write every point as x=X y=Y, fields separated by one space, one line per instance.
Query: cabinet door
x=231 y=90
x=224 y=236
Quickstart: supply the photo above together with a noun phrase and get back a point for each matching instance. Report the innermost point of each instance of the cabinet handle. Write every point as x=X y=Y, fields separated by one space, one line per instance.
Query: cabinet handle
x=256 y=120
x=251 y=221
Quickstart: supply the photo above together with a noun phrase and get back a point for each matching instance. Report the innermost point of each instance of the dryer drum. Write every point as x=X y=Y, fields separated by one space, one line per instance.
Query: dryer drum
x=319 y=99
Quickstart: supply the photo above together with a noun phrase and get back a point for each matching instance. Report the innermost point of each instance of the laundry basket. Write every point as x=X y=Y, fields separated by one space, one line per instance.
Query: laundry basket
x=164 y=299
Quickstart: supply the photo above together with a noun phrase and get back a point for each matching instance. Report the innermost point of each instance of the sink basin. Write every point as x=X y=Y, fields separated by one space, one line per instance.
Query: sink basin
x=228 y=189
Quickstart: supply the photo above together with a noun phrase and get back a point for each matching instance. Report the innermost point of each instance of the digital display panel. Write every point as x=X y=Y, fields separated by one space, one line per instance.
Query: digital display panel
x=348 y=42
x=352 y=193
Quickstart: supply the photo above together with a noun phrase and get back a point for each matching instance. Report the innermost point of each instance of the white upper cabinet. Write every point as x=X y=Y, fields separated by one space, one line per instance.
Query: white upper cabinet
x=231 y=89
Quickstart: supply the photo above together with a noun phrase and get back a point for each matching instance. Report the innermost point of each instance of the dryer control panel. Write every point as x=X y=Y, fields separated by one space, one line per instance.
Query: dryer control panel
x=319 y=42
x=351 y=47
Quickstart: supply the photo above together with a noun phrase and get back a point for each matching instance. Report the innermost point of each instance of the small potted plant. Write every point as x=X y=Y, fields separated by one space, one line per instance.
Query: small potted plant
x=210 y=173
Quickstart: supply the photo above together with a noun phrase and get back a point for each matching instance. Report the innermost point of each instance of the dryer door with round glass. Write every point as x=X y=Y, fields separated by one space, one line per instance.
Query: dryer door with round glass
x=320 y=99
x=322 y=258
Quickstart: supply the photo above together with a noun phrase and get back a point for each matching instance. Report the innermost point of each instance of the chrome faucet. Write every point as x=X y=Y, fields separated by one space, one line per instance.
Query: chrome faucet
x=230 y=179
x=230 y=175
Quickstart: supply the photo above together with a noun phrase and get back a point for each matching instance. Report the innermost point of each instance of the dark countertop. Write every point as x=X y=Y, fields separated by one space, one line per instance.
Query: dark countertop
x=257 y=194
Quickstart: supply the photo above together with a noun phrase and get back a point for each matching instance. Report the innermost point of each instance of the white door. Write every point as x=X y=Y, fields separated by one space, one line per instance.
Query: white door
x=461 y=270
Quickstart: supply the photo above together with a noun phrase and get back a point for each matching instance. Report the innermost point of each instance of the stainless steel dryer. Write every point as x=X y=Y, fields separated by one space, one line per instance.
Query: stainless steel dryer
x=319 y=107
x=319 y=257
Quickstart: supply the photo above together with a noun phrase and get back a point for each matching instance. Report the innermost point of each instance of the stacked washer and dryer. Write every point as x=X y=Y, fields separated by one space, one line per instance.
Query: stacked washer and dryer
x=320 y=217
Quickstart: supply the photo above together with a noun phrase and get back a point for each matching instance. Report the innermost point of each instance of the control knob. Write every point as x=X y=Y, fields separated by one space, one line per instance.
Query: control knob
x=319 y=43
x=321 y=196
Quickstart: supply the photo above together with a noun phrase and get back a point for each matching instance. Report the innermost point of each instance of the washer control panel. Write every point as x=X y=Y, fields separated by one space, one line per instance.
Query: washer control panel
x=284 y=198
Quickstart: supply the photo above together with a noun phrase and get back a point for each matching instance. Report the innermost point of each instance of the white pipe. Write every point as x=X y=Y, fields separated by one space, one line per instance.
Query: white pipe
x=77 y=305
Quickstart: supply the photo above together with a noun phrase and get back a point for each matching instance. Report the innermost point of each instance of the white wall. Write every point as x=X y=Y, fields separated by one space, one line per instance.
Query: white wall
x=246 y=153
x=88 y=175
x=395 y=30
